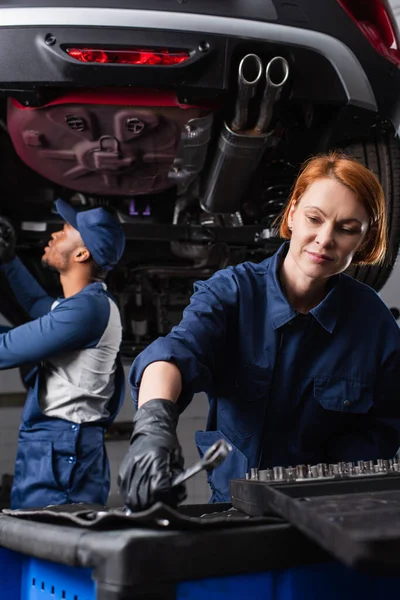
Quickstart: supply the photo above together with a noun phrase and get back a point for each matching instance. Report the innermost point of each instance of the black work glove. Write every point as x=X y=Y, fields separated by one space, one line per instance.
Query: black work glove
x=7 y=241
x=154 y=458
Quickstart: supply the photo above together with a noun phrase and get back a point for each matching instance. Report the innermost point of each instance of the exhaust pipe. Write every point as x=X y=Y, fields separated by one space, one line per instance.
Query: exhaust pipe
x=238 y=153
x=249 y=74
x=276 y=75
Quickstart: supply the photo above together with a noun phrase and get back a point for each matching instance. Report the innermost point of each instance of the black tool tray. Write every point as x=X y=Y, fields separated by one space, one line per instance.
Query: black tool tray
x=357 y=519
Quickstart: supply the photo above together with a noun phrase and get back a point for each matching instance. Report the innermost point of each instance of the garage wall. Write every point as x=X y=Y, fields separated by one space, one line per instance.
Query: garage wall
x=9 y=423
x=390 y=292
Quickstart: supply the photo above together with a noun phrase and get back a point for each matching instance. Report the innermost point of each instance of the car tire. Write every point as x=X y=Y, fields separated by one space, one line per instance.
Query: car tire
x=382 y=157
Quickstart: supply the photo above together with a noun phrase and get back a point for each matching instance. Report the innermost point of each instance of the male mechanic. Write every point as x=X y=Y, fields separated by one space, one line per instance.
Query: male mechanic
x=77 y=385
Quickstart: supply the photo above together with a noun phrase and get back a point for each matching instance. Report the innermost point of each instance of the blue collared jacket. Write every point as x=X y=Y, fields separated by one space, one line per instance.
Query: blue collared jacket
x=285 y=388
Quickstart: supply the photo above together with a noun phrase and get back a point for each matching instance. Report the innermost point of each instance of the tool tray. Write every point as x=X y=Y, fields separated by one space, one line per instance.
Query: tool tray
x=356 y=519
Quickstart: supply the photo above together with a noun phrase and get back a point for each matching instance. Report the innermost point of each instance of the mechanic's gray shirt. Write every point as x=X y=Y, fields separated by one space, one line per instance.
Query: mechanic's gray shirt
x=78 y=385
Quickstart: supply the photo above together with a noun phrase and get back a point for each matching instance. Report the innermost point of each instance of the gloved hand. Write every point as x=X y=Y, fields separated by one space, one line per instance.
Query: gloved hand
x=154 y=458
x=7 y=241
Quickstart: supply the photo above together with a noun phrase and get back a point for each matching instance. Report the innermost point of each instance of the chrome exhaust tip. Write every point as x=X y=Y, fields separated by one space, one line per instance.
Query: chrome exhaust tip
x=276 y=75
x=249 y=74
x=277 y=72
x=250 y=70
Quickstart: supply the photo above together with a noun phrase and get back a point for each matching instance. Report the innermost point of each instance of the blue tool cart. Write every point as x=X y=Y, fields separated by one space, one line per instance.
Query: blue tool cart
x=221 y=555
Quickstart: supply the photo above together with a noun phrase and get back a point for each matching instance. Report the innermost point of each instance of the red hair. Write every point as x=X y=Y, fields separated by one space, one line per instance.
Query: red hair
x=359 y=180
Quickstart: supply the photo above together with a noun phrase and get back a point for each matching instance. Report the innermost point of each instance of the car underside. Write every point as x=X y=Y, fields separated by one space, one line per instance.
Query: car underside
x=189 y=120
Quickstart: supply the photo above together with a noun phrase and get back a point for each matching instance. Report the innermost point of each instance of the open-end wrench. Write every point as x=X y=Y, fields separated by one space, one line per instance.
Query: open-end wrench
x=212 y=457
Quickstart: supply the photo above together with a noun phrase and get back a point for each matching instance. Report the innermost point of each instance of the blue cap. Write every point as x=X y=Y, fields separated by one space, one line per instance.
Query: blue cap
x=101 y=233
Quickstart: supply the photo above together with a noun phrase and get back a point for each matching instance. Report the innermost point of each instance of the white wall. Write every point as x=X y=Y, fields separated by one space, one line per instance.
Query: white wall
x=9 y=423
x=390 y=293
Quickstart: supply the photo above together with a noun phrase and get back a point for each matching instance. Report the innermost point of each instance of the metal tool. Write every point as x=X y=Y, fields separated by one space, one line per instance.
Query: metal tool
x=213 y=457
x=249 y=74
x=279 y=473
x=254 y=473
x=323 y=471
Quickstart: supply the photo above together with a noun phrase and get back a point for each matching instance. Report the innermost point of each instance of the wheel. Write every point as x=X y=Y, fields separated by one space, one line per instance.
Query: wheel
x=382 y=156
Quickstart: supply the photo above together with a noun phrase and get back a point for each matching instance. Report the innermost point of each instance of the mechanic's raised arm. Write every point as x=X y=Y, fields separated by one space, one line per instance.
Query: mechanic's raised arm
x=196 y=347
x=72 y=325
x=165 y=376
x=29 y=294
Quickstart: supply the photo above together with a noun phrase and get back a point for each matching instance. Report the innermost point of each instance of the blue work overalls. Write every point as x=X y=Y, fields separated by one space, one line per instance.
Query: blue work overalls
x=58 y=461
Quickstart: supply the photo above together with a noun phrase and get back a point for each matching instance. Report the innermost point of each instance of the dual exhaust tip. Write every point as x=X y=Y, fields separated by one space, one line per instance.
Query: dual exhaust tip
x=240 y=148
x=250 y=73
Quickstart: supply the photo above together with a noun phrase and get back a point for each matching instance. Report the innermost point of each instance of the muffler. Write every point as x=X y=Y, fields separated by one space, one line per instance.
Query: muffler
x=239 y=151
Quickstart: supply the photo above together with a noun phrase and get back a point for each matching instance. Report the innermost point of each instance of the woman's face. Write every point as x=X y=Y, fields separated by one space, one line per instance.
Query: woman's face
x=328 y=226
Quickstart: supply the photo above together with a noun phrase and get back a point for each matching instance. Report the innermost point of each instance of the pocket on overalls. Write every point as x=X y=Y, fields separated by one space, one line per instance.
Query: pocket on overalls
x=343 y=395
x=234 y=466
x=35 y=483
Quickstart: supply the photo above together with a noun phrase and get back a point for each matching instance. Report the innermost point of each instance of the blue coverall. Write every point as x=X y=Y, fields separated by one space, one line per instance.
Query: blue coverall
x=58 y=461
x=285 y=388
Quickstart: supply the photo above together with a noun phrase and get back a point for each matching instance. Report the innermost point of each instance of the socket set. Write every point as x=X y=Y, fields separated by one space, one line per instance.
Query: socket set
x=324 y=471
x=350 y=509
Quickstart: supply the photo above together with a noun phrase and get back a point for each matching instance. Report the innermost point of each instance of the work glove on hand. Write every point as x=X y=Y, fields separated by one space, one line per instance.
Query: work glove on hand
x=154 y=458
x=7 y=241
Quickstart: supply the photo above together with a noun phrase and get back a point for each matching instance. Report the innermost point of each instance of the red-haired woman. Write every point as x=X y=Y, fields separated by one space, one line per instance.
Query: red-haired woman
x=301 y=363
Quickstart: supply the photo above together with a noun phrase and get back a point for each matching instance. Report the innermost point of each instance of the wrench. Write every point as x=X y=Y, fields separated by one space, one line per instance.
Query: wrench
x=212 y=457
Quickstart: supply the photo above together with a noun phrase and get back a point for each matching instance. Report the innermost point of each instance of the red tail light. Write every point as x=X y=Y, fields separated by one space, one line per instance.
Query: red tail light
x=133 y=56
x=375 y=20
